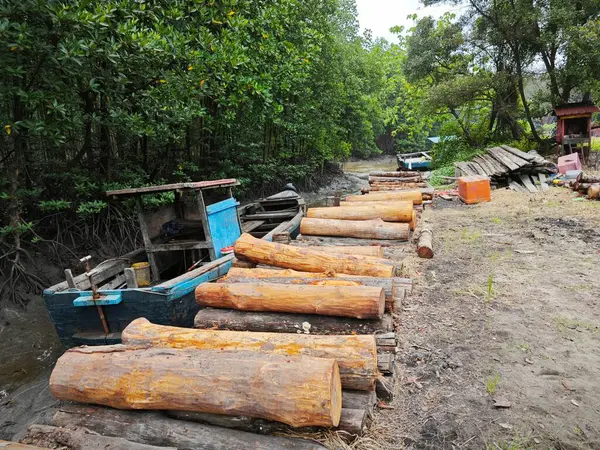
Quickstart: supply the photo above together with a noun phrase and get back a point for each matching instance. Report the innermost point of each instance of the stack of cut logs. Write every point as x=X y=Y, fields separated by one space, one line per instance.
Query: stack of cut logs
x=587 y=185
x=381 y=216
x=291 y=317
x=394 y=181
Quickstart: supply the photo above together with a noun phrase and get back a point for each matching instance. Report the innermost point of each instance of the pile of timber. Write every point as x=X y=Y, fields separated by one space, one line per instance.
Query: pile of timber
x=588 y=185
x=400 y=180
x=508 y=166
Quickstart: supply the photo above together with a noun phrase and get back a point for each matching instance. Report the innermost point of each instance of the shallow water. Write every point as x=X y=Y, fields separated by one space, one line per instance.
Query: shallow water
x=385 y=163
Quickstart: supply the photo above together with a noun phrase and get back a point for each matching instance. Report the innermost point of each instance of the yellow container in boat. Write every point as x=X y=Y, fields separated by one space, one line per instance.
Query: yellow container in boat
x=142 y=273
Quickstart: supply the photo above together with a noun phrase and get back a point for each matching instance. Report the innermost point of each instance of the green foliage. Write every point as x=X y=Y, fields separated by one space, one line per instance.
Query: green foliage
x=54 y=205
x=87 y=209
x=437 y=174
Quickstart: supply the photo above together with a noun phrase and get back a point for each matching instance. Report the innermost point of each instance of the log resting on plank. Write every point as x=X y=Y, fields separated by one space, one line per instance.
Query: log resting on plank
x=415 y=196
x=228 y=319
x=356 y=355
x=81 y=439
x=369 y=229
x=153 y=427
x=306 y=259
x=252 y=384
x=352 y=421
x=360 y=302
x=389 y=286
x=399 y=212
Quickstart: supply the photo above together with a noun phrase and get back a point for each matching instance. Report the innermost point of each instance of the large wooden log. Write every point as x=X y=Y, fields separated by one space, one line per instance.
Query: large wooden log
x=593 y=191
x=81 y=439
x=589 y=179
x=153 y=427
x=352 y=421
x=229 y=319
x=6 y=445
x=401 y=204
x=370 y=229
x=367 y=250
x=382 y=188
x=399 y=174
x=336 y=240
x=356 y=355
x=425 y=244
x=360 y=302
x=401 y=212
x=390 y=286
x=306 y=259
x=252 y=384
x=415 y=196
x=376 y=179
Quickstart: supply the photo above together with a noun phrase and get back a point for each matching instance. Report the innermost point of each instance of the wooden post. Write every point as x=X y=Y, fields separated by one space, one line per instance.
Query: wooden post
x=154 y=272
x=70 y=280
x=130 y=278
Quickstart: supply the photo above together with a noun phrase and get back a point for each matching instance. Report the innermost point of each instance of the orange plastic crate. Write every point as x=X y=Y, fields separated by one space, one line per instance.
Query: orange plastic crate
x=474 y=189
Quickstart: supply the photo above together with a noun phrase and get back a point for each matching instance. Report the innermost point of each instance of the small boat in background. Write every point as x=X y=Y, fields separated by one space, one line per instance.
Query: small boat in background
x=414 y=161
x=185 y=244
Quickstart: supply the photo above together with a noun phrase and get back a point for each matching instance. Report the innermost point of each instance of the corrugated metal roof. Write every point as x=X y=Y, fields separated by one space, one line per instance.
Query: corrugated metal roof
x=575 y=109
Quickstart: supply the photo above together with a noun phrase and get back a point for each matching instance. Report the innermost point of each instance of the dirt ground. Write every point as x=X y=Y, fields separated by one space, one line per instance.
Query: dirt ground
x=508 y=312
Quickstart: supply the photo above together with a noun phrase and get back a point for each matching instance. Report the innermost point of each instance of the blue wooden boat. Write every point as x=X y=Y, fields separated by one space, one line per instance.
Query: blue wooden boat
x=94 y=307
x=414 y=161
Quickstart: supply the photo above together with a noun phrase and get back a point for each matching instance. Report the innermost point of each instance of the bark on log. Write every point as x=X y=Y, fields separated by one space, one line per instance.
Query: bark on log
x=370 y=229
x=271 y=273
x=332 y=240
x=81 y=439
x=589 y=179
x=594 y=191
x=401 y=212
x=390 y=287
x=153 y=427
x=352 y=421
x=413 y=222
x=231 y=383
x=376 y=179
x=227 y=319
x=384 y=188
x=360 y=302
x=356 y=355
x=6 y=445
x=401 y=204
x=367 y=250
x=415 y=196
x=425 y=244
x=307 y=260
x=399 y=174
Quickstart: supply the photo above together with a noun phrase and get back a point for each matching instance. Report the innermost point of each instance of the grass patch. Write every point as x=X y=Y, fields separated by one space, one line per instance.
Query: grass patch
x=469 y=235
x=563 y=323
x=526 y=348
x=496 y=220
x=491 y=384
x=436 y=176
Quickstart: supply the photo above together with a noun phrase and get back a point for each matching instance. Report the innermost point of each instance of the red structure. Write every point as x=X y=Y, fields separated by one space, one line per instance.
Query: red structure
x=574 y=126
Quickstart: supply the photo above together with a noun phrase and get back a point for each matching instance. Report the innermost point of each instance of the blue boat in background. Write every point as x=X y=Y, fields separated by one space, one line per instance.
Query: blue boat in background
x=414 y=161
x=185 y=244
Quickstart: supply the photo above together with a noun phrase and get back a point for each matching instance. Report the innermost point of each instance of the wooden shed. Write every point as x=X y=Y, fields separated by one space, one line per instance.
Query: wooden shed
x=573 y=128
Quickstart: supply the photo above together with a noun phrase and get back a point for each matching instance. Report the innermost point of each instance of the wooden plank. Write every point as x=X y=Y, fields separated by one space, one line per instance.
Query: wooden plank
x=498 y=154
x=515 y=186
x=490 y=171
x=115 y=283
x=70 y=279
x=526 y=156
x=276 y=215
x=195 y=273
x=229 y=182
x=247 y=227
x=499 y=168
x=478 y=169
x=286 y=227
x=528 y=184
x=130 y=278
x=518 y=161
x=542 y=179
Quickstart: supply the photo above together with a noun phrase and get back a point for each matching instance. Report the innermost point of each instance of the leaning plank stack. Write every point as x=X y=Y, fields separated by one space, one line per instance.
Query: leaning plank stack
x=508 y=166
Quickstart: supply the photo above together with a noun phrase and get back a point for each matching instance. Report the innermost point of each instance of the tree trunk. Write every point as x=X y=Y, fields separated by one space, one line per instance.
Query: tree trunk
x=389 y=286
x=415 y=179
x=152 y=427
x=400 y=212
x=352 y=421
x=415 y=196
x=367 y=250
x=81 y=439
x=370 y=229
x=6 y=445
x=226 y=319
x=356 y=355
x=231 y=383
x=361 y=302
x=425 y=244
x=307 y=260
x=399 y=174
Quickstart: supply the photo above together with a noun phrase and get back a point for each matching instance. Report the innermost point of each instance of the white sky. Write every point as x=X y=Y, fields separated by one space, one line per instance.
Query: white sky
x=380 y=15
